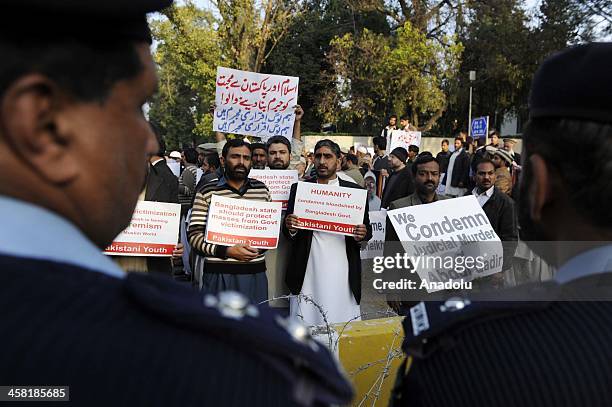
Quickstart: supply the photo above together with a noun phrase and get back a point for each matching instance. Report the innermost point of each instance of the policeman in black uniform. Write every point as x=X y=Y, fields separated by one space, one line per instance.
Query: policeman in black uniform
x=546 y=344
x=74 y=145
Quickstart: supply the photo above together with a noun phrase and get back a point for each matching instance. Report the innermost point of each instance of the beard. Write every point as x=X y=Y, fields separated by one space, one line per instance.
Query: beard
x=235 y=174
x=259 y=166
x=279 y=165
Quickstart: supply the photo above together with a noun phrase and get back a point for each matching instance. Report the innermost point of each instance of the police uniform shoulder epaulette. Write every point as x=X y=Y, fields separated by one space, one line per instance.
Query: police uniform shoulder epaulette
x=430 y=326
x=284 y=343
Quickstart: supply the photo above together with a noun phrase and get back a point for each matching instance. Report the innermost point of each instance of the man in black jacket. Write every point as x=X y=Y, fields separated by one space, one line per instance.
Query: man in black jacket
x=322 y=265
x=400 y=182
x=458 y=174
x=499 y=209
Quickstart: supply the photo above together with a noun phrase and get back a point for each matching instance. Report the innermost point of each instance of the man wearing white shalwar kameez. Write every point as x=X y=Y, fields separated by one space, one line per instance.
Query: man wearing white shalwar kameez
x=326 y=281
x=325 y=267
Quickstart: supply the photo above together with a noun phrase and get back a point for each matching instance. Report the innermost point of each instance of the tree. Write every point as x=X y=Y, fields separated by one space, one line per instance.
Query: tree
x=375 y=75
x=302 y=50
x=249 y=30
x=187 y=54
x=500 y=47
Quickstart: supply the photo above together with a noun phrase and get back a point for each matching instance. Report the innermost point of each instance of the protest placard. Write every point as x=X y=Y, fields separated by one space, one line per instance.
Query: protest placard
x=329 y=208
x=239 y=221
x=374 y=247
x=255 y=104
x=401 y=138
x=153 y=231
x=442 y=236
x=278 y=182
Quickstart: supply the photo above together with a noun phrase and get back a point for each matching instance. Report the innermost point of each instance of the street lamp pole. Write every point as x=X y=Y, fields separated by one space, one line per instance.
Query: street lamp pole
x=472 y=79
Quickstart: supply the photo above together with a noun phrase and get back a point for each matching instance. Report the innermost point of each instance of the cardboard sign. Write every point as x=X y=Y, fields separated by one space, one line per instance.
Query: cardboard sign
x=329 y=208
x=278 y=182
x=443 y=233
x=374 y=247
x=240 y=221
x=401 y=138
x=153 y=231
x=255 y=104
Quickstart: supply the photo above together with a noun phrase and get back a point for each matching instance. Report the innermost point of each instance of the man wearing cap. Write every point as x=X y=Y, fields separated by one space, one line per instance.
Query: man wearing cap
x=503 y=179
x=73 y=79
x=509 y=147
x=400 y=182
x=550 y=349
x=259 y=156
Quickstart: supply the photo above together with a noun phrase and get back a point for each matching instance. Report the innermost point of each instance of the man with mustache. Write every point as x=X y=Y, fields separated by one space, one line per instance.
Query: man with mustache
x=279 y=151
x=426 y=173
x=74 y=77
x=323 y=266
x=499 y=208
x=240 y=267
x=544 y=344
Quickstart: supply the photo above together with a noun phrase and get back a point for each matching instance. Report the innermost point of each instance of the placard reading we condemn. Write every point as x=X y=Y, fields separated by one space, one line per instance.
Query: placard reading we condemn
x=239 y=221
x=329 y=208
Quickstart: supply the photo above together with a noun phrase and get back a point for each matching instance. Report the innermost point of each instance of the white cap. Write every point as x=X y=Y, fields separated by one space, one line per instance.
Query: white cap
x=175 y=154
x=362 y=149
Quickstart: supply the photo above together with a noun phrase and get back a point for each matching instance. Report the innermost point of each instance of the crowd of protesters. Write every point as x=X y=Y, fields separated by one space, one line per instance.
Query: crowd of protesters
x=299 y=265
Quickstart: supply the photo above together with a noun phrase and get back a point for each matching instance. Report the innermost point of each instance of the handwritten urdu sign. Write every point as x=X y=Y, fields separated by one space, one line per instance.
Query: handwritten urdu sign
x=254 y=104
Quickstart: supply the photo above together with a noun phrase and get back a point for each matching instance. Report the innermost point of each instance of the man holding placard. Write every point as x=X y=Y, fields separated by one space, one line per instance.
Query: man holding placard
x=239 y=267
x=326 y=221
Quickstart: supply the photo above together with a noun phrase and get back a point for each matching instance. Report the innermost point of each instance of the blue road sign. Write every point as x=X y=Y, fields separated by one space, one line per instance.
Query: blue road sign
x=480 y=127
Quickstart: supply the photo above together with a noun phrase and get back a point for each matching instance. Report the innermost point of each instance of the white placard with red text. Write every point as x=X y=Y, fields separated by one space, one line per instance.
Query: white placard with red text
x=278 y=182
x=329 y=208
x=239 y=221
x=153 y=231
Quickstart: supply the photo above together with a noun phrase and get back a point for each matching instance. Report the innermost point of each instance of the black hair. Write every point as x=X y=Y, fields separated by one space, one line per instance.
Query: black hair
x=393 y=116
x=335 y=148
x=86 y=71
x=413 y=148
x=278 y=140
x=213 y=160
x=161 y=151
x=352 y=158
x=587 y=179
x=445 y=141
x=233 y=143
x=423 y=158
x=380 y=142
x=191 y=155
x=482 y=160
x=404 y=117
x=257 y=146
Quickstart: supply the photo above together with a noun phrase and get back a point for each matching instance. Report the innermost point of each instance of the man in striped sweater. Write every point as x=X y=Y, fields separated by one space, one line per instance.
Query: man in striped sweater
x=240 y=267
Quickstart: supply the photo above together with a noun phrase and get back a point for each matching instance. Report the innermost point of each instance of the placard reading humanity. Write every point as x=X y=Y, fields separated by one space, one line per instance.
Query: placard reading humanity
x=153 y=231
x=374 y=247
x=448 y=240
x=255 y=104
x=329 y=208
x=278 y=182
x=239 y=221
x=401 y=138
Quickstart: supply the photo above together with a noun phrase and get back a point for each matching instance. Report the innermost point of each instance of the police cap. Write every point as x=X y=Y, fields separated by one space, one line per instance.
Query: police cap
x=574 y=84
x=79 y=20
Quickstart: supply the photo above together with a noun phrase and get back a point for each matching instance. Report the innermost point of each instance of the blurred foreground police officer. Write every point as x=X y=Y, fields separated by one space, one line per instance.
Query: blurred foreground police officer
x=552 y=348
x=73 y=78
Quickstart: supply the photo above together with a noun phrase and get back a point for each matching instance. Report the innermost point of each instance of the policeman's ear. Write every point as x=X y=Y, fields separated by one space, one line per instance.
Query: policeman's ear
x=31 y=112
x=540 y=188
